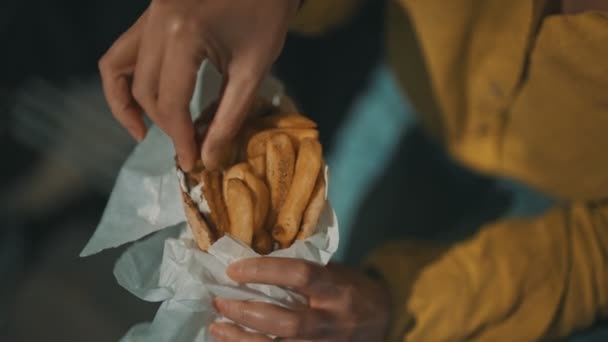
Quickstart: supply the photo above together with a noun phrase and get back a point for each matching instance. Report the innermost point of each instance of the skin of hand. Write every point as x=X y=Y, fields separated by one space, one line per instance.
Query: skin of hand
x=152 y=67
x=344 y=304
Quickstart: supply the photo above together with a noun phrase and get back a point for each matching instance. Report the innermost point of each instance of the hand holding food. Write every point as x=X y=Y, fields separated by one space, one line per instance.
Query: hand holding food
x=272 y=190
x=344 y=304
x=152 y=67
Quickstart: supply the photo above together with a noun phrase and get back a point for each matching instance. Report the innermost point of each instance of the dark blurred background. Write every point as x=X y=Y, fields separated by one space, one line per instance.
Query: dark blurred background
x=61 y=152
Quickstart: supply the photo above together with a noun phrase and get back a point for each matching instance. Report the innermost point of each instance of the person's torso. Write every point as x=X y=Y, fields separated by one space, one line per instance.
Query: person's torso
x=509 y=91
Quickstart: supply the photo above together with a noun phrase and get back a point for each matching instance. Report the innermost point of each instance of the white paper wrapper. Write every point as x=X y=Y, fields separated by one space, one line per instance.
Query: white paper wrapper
x=167 y=266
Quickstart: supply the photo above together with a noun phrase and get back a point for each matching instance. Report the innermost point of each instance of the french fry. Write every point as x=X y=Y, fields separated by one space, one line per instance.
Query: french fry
x=240 y=210
x=228 y=155
x=258 y=166
x=271 y=189
x=236 y=171
x=212 y=190
x=262 y=199
x=308 y=165
x=280 y=160
x=257 y=144
x=284 y=120
x=311 y=215
x=261 y=196
x=203 y=235
x=262 y=241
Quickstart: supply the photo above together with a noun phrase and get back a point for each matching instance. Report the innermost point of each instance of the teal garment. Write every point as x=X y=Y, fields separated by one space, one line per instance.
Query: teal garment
x=366 y=145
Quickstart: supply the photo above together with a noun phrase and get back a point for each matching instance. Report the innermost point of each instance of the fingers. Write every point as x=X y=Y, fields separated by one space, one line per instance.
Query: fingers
x=116 y=69
x=242 y=81
x=225 y=332
x=147 y=68
x=274 y=320
x=177 y=81
x=303 y=276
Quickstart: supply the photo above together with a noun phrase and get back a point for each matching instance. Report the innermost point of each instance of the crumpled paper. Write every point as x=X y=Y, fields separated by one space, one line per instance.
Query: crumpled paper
x=164 y=264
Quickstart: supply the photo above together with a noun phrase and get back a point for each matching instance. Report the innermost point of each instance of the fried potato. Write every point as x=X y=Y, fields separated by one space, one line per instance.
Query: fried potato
x=284 y=120
x=269 y=189
x=262 y=199
x=311 y=215
x=261 y=196
x=307 y=169
x=239 y=203
x=257 y=144
x=262 y=241
x=203 y=235
x=212 y=190
x=258 y=166
x=280 y=161
x=236 y=171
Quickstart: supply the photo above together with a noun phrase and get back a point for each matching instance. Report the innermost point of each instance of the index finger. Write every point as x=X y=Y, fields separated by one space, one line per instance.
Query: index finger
x=243 y=78
x=176 y=87
x=116 y=66
x=303 y=276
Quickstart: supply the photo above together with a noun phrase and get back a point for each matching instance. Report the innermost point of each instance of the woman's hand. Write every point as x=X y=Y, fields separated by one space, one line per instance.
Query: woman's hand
x=344 y=305
x=152 y=67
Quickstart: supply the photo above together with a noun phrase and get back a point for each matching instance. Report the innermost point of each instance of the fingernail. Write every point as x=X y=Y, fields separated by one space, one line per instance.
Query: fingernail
x=139 y=136
x=136 y=134
x=235 y=269
x=183 y=163
x=209 y=163
x=219 y=304
x=216 y=330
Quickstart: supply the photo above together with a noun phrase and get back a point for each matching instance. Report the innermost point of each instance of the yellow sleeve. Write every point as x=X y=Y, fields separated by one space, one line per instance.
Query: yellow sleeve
x=515 y=280
x=318 y=16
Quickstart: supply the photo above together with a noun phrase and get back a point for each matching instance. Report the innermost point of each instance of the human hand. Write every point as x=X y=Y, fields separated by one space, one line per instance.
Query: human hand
x=152 y=67
x=344 y=305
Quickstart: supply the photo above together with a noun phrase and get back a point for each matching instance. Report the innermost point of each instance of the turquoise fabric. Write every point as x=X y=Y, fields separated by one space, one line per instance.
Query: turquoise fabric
x=364 y=145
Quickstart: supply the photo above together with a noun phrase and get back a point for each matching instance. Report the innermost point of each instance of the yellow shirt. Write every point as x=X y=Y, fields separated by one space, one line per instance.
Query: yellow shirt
x=513 y=93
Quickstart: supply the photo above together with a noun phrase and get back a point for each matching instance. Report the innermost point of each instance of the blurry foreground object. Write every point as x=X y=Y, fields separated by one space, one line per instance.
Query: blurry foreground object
x=81 y=146
x=62 y=149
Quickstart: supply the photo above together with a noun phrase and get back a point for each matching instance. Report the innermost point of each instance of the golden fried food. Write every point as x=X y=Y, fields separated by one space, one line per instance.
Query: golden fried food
x=271 y=190
x=239 y=203
x=285 y=120
x=261 y=196
x=257 y=144
x=262 y=241
x=280 y=161
x=203 y=235
x=307 y=168
x=315 y=207
x=258 y=166
x=236 y=171
x=212 y=190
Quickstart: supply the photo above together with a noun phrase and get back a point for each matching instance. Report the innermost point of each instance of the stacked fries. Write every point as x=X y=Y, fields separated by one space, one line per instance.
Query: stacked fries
x=273 y=190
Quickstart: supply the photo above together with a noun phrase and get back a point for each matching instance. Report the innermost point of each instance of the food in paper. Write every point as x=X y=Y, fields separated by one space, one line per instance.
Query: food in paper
x=272 y=189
